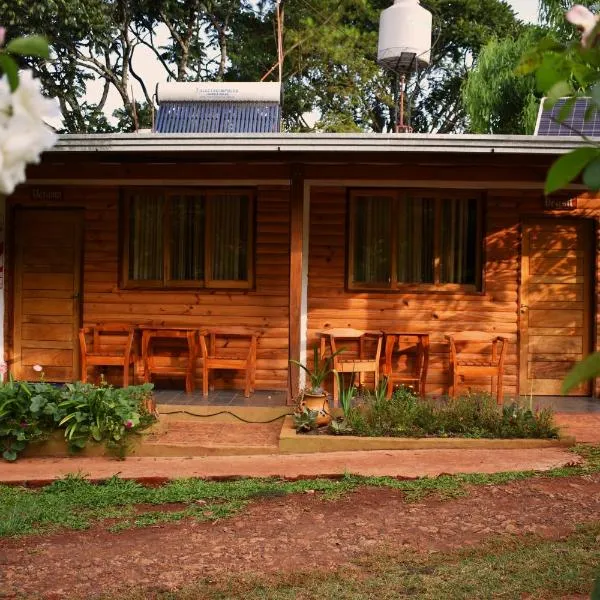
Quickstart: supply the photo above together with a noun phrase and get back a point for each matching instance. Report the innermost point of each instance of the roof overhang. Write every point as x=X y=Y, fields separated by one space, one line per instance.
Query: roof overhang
x=319 y=143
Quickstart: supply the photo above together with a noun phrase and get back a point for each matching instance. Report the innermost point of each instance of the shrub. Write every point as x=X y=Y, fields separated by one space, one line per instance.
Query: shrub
x=474 y=416
x=29 y=412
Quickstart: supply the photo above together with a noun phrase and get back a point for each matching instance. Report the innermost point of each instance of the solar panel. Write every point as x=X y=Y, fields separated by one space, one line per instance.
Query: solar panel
x=575 y=124
x=218 y=117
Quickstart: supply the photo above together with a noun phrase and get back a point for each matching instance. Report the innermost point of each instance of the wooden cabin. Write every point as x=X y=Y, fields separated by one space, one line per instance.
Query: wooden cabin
x=290 y=235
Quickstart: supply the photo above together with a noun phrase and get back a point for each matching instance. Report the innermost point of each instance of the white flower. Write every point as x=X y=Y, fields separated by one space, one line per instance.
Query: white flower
x=24 y=135
x=585 y=21
x=38 y=368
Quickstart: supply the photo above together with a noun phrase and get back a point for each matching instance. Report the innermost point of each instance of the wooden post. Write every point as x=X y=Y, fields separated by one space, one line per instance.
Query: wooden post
x=297 y=258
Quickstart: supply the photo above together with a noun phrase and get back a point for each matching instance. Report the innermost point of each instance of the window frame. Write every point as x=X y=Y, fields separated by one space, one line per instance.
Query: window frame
x=208 y=283
x=396 y=195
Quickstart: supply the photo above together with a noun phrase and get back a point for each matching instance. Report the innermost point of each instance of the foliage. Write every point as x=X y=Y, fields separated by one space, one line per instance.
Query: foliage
x=33 y=45
x=305 y=419
x=329 y=66
x=497 y=99
x=473 y=416
x=103 y=414
x=321 y=369
x=29 y=412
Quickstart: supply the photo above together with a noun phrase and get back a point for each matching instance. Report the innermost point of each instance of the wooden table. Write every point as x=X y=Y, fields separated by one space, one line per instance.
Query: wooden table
x=418 y=376
x=151 y=332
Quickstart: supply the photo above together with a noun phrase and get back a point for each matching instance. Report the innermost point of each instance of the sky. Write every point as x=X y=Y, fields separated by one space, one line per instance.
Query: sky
x=525 y=9
x=146 y=66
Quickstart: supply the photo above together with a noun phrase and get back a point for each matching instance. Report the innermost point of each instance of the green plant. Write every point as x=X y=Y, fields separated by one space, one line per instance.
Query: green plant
x=472 y=416
x=27 y=414
x=305 y=420
x=104 y=414
x=345 y=394
x=321 y=369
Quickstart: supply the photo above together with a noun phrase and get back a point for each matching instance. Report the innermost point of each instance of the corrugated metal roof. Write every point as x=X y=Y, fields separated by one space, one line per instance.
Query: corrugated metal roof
x=218 y=117
x=163 y=143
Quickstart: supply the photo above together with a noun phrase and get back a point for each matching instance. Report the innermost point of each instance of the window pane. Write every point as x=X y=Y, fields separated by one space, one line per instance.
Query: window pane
x=372 y=239
x=187 y=237
x=146 y=237
x=415 y=240
x=459 y=243
x=230 y=236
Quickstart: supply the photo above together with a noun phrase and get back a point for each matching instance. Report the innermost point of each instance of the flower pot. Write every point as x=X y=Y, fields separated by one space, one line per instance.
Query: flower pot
x=320 y=403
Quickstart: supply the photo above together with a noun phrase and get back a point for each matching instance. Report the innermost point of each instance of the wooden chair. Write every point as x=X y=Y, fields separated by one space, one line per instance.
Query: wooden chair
x=366 y=361
x=150 y=337
x=218 y=355
x=489 y=364
x=110 y=345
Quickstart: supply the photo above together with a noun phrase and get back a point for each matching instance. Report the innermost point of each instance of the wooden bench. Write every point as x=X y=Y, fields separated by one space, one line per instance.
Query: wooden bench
x=218 y=355
x=107 y=345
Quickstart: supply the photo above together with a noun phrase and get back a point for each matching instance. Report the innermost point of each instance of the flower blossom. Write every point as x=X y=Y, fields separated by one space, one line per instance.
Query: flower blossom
x=24 y=134
x=38 y=368
x=585 y=21
x=128 y=424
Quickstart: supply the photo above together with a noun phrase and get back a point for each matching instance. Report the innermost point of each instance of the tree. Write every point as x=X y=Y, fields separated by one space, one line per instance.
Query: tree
x=330 y=55
x=496 y=98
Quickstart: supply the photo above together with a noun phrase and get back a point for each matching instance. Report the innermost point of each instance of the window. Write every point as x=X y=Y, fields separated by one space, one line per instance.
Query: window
x=404 y=238
x=188 y=238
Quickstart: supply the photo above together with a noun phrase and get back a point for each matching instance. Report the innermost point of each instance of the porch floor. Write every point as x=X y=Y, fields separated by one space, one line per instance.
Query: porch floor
x=564 y=404
x=262 y=398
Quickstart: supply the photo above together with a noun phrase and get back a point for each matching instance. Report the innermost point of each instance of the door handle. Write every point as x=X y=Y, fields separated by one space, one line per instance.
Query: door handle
x=524 y=308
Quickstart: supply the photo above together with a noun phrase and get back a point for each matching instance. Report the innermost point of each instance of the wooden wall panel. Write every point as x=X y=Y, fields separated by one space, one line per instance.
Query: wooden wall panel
x=330 y=305
x=266 y=308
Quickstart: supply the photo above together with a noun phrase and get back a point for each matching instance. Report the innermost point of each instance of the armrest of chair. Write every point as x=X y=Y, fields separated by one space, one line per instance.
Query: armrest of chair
x=82 y=341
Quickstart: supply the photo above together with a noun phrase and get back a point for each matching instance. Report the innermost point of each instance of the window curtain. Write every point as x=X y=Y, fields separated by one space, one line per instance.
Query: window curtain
x=458 y=241
x=415 y=240
x=230 y=226
x=146 y=237
x=187 y=238
x=372 y=239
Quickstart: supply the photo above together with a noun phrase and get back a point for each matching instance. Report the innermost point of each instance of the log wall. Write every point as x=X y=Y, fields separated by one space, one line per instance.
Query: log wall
x=495 y=310
x=264 y=309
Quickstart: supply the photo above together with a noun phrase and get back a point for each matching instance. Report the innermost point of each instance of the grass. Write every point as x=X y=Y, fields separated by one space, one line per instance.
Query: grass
x=74 y=503
x=506 y=567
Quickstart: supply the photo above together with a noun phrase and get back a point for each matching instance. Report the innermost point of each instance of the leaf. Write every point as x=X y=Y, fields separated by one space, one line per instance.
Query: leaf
x=567 y=167
x=547 y=75
x=559 y=90
x=566 y=108
x=9 y=455
x=32 y=45
x=584 y=370
x=591 y=175
x=9 y=67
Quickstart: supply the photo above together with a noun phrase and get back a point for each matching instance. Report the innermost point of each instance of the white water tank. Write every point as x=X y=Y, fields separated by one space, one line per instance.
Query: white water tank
x=404 y=36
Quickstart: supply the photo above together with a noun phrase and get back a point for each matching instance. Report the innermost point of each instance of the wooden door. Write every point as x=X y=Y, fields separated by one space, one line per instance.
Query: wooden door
x=555 y=320
x=47 y=288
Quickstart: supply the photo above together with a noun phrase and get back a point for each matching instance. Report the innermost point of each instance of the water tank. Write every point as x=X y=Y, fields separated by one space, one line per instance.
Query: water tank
x=404 y=36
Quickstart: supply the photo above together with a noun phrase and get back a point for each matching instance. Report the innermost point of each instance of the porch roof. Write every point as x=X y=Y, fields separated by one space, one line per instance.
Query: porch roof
x=313 y=143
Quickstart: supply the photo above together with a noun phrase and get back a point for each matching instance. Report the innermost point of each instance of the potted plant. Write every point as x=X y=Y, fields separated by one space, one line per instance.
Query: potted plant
x=314 y=397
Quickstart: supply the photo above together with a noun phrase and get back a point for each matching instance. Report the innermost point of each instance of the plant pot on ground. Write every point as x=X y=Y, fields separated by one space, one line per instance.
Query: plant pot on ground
x=314 y=397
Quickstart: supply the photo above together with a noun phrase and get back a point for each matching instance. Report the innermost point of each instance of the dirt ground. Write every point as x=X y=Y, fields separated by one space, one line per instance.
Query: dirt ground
x=265 y=537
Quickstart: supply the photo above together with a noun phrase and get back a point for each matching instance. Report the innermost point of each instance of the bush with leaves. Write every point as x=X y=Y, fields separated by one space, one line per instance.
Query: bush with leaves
x=29 y=412
x=470 y=416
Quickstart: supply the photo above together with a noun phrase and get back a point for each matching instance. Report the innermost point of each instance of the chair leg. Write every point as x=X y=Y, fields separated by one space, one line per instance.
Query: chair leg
x=205 y=380
x=335 y=392
x=247 y=386
x=83 y=371
x=454 y=384
x=376 y=379
x=126 y=375
x=500 y=389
